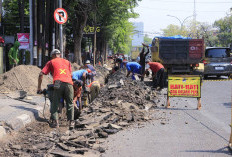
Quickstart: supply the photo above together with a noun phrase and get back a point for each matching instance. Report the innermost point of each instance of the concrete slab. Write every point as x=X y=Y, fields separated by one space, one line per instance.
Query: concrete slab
x=17 y=114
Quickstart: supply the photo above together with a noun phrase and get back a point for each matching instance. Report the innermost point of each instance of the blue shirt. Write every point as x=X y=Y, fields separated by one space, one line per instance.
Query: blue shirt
x=134 y=67
x=77 y=75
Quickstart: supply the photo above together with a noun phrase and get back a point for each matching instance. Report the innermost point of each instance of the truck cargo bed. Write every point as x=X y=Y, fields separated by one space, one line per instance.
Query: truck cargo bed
x=180 y=51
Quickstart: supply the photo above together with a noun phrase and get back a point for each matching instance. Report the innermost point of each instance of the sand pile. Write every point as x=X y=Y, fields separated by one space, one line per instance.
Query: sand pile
x=23 y=77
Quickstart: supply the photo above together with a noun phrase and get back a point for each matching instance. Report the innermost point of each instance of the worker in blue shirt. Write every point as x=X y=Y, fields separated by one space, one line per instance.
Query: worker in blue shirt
x=81 y=75
x=134 y=68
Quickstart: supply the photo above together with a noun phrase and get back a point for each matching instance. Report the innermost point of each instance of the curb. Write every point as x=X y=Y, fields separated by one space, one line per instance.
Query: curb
x=218 y=80
x=20 y=121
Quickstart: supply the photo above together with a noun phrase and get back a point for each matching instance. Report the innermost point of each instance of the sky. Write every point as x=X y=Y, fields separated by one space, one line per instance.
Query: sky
x=153 y=13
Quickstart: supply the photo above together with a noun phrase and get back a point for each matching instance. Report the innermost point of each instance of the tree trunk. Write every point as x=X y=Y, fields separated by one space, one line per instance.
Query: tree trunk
x=78 y=27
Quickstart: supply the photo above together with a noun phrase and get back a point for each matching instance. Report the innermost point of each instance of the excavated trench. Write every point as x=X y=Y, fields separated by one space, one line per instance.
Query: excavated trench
x=121 y=103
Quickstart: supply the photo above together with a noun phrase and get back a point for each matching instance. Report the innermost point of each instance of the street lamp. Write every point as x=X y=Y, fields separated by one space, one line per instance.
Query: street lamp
x=181 y=22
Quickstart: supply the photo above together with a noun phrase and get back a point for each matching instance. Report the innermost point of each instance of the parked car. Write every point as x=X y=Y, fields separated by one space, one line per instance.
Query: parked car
x=217 y=61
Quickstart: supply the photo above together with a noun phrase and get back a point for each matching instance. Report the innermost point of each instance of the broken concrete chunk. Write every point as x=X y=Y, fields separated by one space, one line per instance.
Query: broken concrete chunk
x=111 y=131
x=65 y=147
x=113 y=86
x=113 y=126
x=102 y=134
x=121 y=82
x=17 y=147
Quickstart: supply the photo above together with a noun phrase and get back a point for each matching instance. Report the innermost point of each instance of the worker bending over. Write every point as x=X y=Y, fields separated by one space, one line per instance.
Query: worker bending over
x=157 y=73
x=81 y=76
x=134 y=68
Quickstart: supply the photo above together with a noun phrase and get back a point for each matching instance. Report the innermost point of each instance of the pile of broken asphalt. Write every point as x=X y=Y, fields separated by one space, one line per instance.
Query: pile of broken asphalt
x=121 y=103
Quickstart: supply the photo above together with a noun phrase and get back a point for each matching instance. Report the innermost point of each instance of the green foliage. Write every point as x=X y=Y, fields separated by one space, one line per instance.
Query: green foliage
x=113 y=17
x=11 y=20
x=224 y=27
x=172 y=30
x=147 y=40
x=195 y=30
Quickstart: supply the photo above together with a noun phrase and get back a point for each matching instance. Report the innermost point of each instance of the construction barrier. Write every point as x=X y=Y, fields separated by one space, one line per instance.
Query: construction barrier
x=184 y=86
x=230 y=141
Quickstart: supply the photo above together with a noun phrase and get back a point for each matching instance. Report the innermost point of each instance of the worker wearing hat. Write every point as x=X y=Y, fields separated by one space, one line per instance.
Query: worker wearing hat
x=93 y=70
x=63 y=86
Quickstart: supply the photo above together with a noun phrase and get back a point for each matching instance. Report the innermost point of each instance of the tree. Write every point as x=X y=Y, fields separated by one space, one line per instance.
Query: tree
x=147 y=40
x=207 y=32
x=224 y=27
x=11 y=20
x=113 y=16
x=171 y=30
x=78 y=14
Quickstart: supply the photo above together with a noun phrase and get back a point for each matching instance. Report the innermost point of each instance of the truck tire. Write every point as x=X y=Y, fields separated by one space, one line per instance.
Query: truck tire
x=205 y=76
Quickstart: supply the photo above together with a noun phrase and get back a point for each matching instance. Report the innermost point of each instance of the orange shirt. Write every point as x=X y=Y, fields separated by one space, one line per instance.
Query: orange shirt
x=155 y=66
x=60 y=69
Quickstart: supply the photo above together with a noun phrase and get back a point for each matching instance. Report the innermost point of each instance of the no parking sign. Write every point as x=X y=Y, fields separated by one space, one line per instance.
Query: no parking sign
x=60 y=15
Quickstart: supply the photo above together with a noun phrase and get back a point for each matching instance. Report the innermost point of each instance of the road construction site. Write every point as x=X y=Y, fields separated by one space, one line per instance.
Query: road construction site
x=121 y=103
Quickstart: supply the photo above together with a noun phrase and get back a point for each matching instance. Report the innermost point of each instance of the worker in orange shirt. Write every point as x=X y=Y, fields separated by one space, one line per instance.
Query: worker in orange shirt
x=157 y=73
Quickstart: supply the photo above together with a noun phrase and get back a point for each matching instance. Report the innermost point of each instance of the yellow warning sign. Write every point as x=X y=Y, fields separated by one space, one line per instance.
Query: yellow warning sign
x=184 y=86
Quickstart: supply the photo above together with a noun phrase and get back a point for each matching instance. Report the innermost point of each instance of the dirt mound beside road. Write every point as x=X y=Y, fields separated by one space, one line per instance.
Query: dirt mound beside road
x=25 y=76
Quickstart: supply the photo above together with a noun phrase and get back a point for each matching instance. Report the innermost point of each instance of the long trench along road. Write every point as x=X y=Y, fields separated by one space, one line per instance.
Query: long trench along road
x=182 y=130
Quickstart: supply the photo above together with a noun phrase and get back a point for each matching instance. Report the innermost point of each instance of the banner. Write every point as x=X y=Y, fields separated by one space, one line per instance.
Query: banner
x=23 y=39
x=184 y=86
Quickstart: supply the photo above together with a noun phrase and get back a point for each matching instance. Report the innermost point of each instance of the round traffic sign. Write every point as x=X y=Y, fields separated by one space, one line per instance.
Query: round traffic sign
x=60 y=15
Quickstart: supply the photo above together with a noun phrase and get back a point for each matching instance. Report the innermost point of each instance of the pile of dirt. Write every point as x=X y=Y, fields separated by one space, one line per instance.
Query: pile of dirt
x=23 y=77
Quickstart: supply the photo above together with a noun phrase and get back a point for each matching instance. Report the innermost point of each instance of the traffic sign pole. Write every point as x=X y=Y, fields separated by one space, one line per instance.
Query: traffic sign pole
x=60 y=16
x=61 y=33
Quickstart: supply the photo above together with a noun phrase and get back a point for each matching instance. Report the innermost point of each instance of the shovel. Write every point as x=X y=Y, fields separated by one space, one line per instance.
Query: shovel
x=22 y=92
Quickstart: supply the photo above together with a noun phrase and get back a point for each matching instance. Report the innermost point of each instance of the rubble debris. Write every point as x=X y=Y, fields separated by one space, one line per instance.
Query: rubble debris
x=113 y=110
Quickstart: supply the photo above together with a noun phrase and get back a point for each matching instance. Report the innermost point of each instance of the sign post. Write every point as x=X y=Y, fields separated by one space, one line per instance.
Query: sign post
x=61 y=16
x=230 y=141
x=184 y=86
x=23 y=39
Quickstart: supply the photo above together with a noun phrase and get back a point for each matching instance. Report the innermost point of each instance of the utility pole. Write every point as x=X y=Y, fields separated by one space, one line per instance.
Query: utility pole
x=1 y=32
x=34 y=6
x=61 y=33
x=39 y=33
x=31 y=32
x=195 y=19
x=43 y=43
x=95 y=37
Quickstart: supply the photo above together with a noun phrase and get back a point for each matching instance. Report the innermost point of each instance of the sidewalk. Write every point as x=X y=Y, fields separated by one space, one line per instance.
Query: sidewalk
x=15 y=114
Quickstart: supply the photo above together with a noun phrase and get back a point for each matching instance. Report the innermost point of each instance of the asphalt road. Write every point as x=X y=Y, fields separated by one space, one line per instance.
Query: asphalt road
x=181 y=130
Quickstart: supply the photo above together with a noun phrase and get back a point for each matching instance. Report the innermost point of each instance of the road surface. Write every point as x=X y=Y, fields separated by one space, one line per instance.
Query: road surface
x=181 y=130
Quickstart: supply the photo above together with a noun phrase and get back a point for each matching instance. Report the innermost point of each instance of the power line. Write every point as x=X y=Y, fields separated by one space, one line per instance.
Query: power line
x=192 y=2
x=178 y=10
x=143 y=32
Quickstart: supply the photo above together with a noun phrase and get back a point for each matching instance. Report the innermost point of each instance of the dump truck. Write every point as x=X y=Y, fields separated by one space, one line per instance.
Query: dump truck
x=177 y=54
